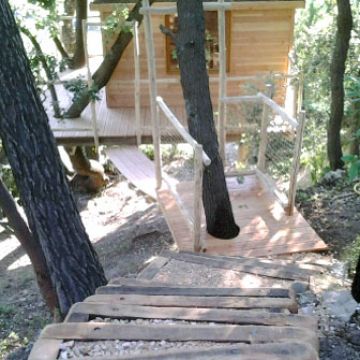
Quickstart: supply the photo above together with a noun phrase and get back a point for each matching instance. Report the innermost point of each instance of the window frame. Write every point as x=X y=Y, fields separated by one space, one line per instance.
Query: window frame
x=172 y=70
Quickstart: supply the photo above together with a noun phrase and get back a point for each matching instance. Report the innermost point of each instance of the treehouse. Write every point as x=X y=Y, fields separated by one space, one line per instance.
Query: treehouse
x=258 y=36
x=258 y=117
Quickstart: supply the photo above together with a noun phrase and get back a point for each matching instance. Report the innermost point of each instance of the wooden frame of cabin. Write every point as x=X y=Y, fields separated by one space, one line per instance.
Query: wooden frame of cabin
x=260 y=38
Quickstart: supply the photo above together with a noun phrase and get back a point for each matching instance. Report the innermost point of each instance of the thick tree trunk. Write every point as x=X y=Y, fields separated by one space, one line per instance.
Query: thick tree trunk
x=54 y=221
x=337 y=70
x=355 y=290
x=108 y=65
x=31 y=247
x=48 y=73
x=190 y=46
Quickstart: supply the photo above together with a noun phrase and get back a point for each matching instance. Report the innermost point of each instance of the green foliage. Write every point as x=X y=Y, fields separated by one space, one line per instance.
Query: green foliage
x=46 y=4
x=148 y=150
x=352 y=163
x=351 y=255
x=314 y=39
x=116 y=21
x=78 y=86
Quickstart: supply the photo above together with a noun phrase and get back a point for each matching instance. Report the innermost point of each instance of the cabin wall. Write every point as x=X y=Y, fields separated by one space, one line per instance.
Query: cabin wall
x=260 y=40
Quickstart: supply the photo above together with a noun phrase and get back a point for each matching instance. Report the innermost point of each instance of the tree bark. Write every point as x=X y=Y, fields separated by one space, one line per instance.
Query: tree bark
x=355 y=289
x=31 y=247
x=190 y=42
x=48 y=73
x=54 y=221
x=337 y=70
x=106 y=68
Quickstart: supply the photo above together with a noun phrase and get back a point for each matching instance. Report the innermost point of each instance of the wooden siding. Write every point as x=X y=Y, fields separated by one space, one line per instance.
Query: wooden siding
x=260 y=43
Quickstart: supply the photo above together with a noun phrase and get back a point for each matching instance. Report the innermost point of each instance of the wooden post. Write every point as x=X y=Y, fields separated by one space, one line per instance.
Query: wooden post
x=222 y=82
x=153 y=92
x=263 y=132
x=137 y=83
x=90 y=84
x=300 y=94
x=295 y=164
x=199 y=243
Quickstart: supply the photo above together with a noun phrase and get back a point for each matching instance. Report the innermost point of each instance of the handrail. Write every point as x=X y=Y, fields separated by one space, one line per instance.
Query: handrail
x=266 y=100
x=180 y=129
x=243 y=98
x=279 y=110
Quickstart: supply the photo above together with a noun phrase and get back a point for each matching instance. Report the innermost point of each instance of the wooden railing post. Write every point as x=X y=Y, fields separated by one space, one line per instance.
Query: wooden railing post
x=263 y=132
x=222 y=82
x=90 y=84
x=199 y=242
x=295 y=164
x=153 y=92
x=137 y=83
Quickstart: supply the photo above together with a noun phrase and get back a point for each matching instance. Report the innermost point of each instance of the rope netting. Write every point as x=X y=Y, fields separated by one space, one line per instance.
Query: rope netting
x=279 y=150
x=243 y=123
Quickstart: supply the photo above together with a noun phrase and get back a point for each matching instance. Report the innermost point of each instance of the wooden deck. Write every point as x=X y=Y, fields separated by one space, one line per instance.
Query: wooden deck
x=265 y=228
x=115 y=125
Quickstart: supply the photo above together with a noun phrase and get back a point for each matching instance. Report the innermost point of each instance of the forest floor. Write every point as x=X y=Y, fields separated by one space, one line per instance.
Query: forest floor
x=127 y=229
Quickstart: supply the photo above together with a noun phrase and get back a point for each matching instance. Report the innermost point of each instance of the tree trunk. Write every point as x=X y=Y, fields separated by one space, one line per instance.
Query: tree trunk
x=90 y=175
x=48 y=73
x=190 y=47
x=337 y=70
x=355 y=289
x=31 y=247
x=106 y=68
x=54 y=221
x=78 y=59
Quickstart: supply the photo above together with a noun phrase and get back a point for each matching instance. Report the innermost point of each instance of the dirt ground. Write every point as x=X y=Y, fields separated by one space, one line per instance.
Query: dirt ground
x=127 y=229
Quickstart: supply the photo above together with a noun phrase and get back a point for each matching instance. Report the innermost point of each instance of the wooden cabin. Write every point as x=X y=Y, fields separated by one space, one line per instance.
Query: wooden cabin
x=259 y=36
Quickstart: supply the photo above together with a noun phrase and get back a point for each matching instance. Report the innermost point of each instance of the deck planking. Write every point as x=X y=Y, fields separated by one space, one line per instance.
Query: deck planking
x=266 y=230
x=115 y=125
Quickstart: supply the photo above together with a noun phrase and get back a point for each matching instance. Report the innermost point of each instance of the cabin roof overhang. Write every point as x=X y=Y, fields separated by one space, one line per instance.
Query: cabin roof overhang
x=107 y=5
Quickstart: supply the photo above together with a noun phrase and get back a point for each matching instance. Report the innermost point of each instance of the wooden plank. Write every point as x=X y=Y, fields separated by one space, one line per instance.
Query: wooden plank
x=218 y=333
x=194 y=291
x=197 y=301
x=253 y=266
x=45 y=349
x=135 y=166
x=278 y=351
x=242 y=317
x=152 y=268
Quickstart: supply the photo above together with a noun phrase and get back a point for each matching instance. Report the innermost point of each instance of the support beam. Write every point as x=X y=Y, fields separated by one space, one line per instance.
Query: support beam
x=295 y=164
x=222 y=80
x=90 y=84
x=153 y=92
x=137 y=83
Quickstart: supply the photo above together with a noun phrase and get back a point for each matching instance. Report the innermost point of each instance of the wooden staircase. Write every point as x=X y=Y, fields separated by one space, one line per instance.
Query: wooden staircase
x=208 y=322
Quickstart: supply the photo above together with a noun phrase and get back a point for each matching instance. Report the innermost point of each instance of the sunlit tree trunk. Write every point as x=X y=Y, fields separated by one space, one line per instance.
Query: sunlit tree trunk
x=190 y=47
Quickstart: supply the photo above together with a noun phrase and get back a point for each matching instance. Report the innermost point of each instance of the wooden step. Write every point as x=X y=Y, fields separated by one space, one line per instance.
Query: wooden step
x=277 y=304
x=195 y=291
x=48 y=349
x=173 y=333
x=83 y=312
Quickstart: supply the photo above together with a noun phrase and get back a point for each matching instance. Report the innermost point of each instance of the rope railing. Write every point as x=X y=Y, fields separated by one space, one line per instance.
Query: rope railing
x=201 y=159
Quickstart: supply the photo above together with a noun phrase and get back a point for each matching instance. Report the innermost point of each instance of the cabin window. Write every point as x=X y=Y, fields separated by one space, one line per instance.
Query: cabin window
x=211 y=42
